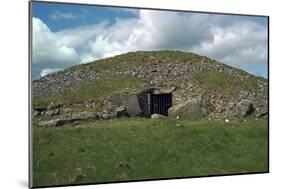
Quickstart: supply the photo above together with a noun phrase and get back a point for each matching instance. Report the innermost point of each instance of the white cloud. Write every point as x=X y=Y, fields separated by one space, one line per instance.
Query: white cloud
x=47 y=51
x=242 y=44
x=237 y=41
x=166 y=30
x=58 y=15
x=48 y=71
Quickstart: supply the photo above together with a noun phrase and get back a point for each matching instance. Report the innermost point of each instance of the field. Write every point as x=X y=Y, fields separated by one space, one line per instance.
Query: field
x=138 y=149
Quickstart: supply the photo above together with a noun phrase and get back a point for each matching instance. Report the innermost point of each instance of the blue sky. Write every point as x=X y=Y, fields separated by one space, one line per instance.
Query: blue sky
x=66 y=34
x=60 y=16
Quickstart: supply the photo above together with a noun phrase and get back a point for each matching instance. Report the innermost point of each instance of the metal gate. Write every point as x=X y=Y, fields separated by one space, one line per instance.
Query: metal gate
x=160 y=103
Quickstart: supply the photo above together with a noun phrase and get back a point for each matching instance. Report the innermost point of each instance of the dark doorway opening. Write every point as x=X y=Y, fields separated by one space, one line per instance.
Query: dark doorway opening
x=160 y=103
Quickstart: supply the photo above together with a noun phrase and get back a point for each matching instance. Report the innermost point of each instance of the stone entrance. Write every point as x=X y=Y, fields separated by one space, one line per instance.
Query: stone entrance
x=160 y=103
x=155 y=101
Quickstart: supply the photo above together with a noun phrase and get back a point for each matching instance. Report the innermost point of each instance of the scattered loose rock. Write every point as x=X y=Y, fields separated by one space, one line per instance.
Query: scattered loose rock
x=262 y=114
x=120 y=111
x=157 y=116
x=60 y=122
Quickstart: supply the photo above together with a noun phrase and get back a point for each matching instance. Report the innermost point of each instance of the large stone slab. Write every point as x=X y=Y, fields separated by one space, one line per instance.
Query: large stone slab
x=189 y=109
x=244 y=108
x=132 y=106
x=239 y=109
x=62 y=121
x=195 y=107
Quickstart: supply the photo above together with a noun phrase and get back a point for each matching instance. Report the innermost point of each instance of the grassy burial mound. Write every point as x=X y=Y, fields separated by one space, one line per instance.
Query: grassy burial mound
x=202 y=87
x=106 y=134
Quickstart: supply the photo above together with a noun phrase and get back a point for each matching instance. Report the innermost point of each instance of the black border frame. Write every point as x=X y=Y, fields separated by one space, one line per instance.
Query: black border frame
x=30 y=151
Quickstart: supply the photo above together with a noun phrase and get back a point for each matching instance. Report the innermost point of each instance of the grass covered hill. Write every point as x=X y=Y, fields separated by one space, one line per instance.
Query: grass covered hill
x=88 y=85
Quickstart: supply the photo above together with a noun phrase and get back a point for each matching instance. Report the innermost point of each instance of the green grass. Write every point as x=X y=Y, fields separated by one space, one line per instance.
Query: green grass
x=225 y=83
x=95 y=90
x=138 y=148
x=131 y=59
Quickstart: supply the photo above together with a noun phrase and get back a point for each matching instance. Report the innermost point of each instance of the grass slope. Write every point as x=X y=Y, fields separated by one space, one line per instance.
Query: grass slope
x=131 y=59
x=225 y=83
x=138 y=148
x=95 y=90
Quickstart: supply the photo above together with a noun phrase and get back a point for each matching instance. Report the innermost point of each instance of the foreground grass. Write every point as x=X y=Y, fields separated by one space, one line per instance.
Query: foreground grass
x=136 y=149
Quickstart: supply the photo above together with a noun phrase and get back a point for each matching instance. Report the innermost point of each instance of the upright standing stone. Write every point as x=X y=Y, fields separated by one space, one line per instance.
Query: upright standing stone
x=132 y=105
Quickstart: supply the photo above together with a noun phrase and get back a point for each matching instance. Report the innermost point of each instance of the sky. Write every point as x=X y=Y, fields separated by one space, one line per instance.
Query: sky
x=65 y=35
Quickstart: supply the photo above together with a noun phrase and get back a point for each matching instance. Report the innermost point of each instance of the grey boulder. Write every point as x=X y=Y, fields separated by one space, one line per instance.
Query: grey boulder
x=120 y=111
x=132 y=105
x=157 y=116
x=244 y=108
